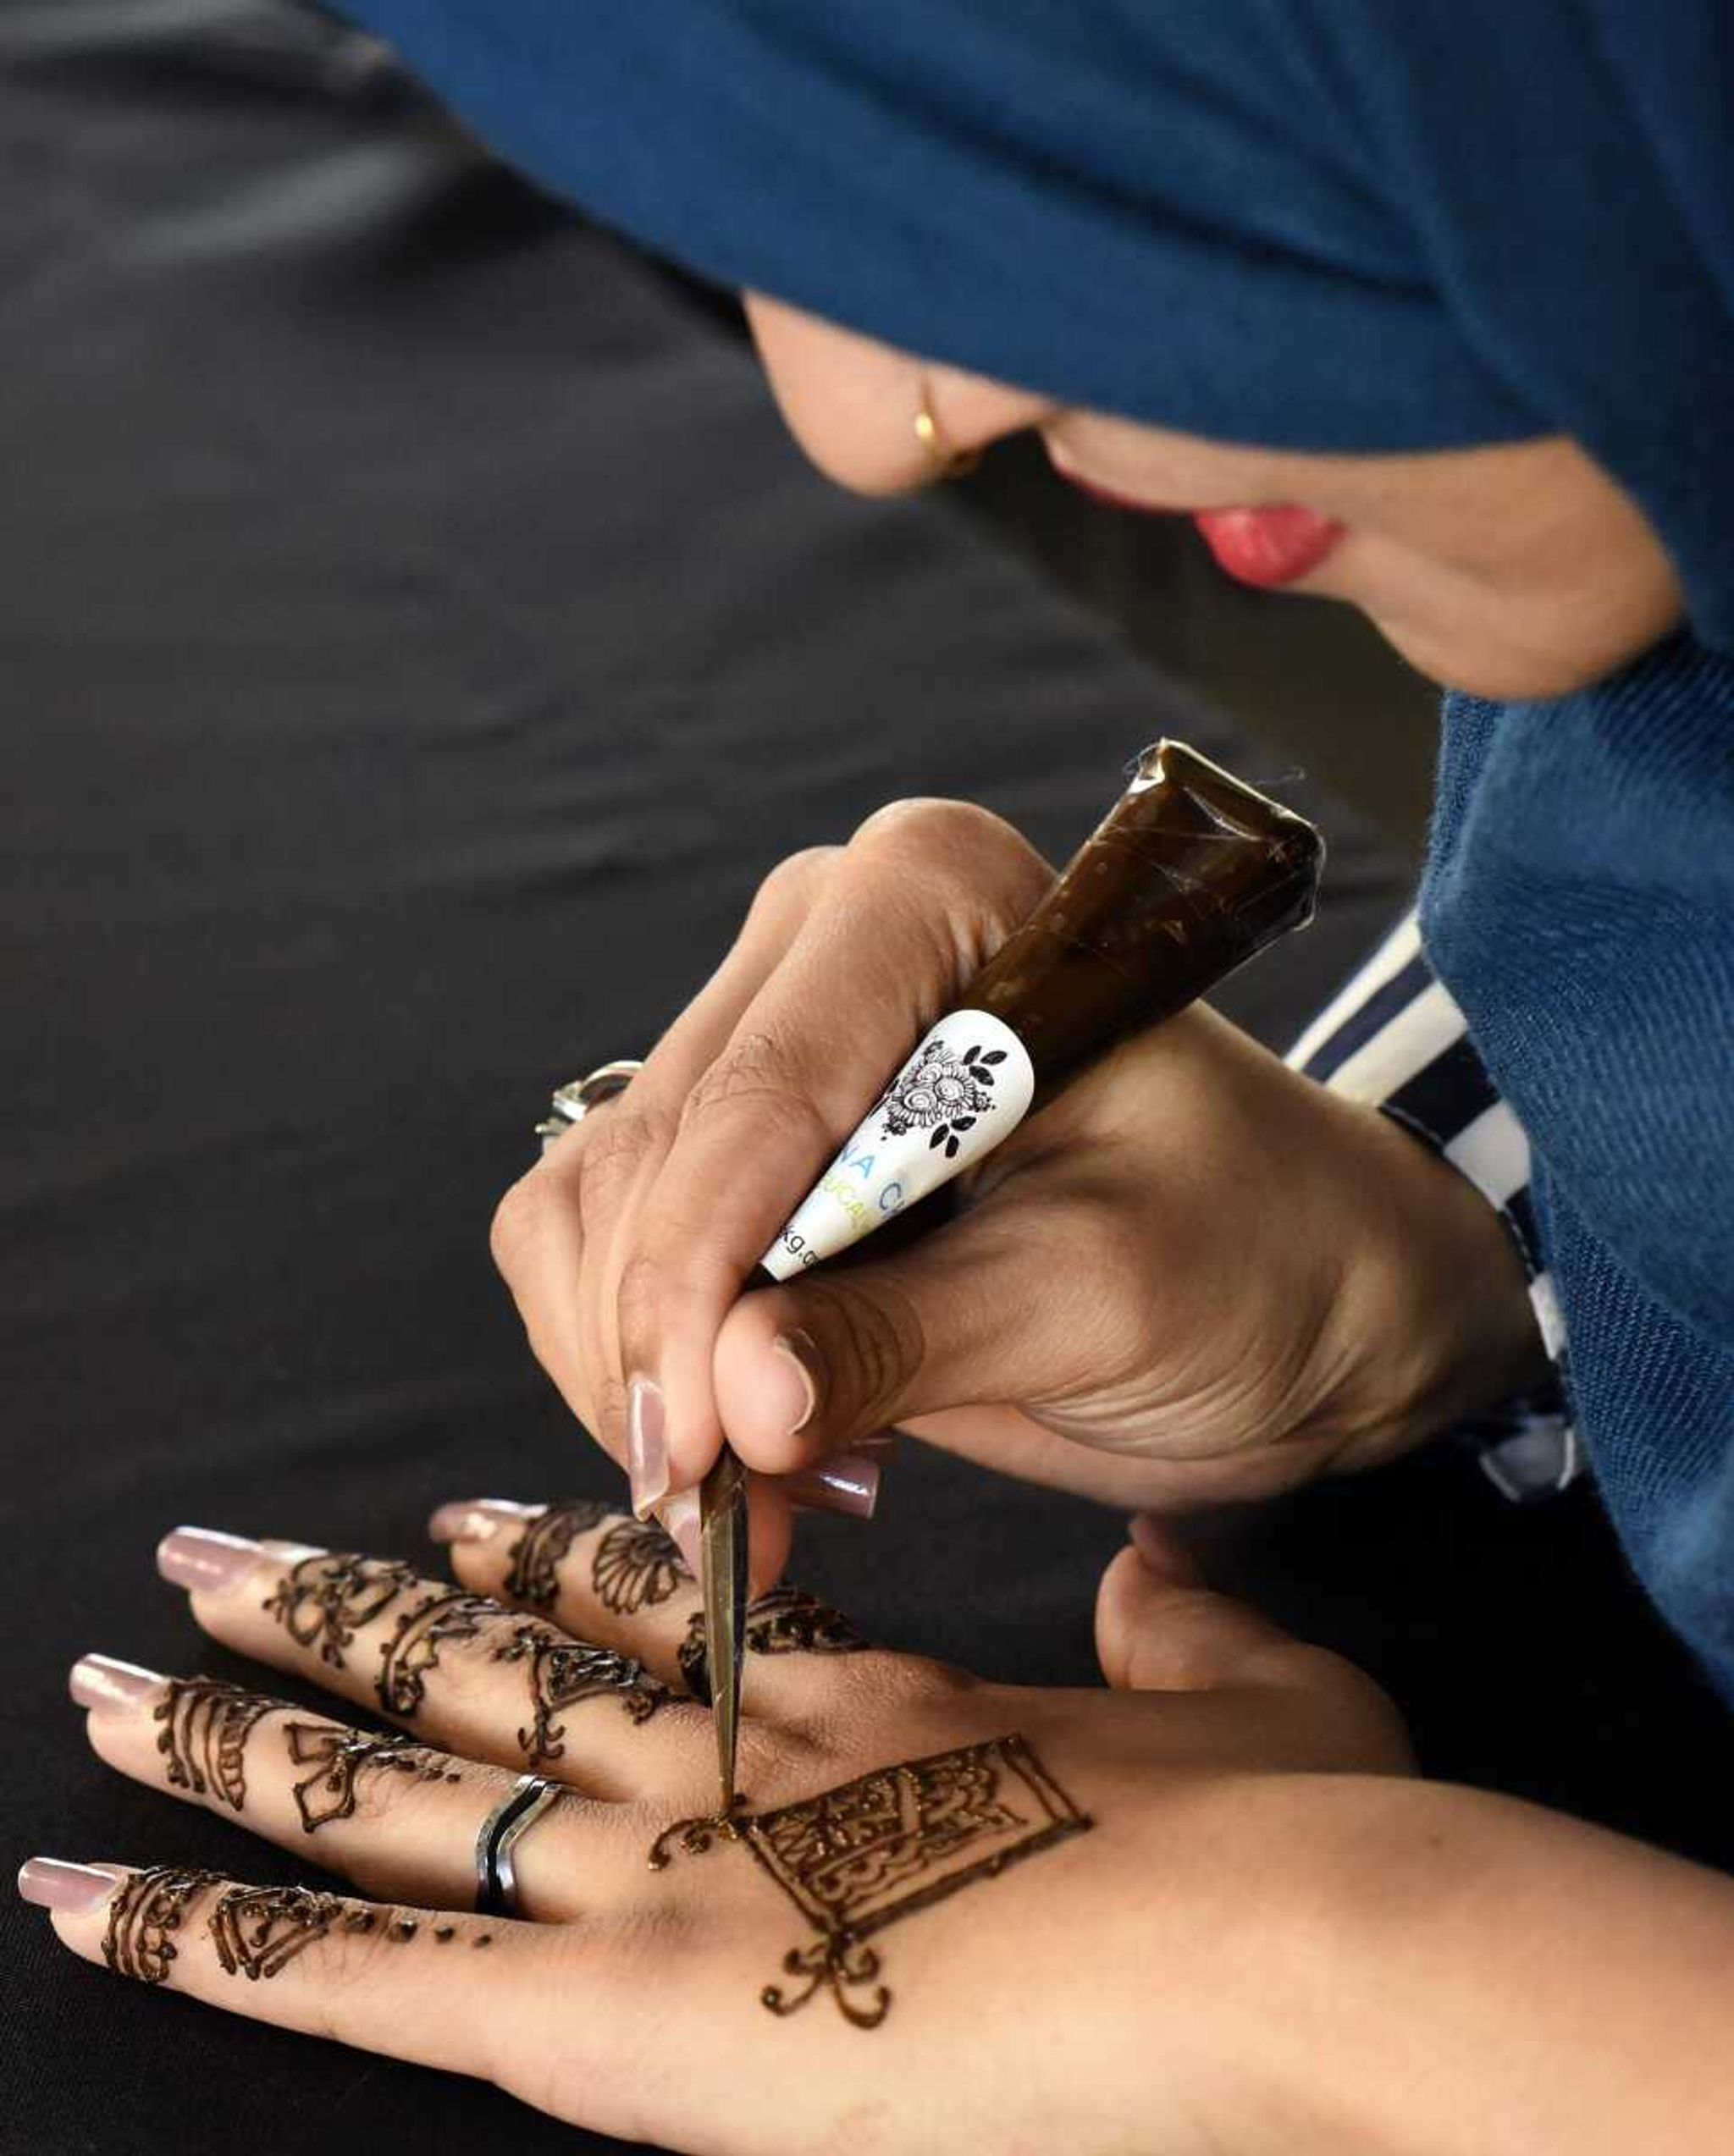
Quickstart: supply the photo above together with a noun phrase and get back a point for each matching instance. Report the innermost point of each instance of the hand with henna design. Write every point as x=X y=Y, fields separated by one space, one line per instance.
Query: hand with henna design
x=1205 y=1908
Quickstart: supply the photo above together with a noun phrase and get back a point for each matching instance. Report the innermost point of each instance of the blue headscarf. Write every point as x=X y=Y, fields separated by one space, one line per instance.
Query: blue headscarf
x=1329 y=225
x=1311 y=224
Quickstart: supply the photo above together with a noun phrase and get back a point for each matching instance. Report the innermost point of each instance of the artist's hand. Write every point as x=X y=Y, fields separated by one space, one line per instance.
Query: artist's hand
x=1194 y=1275
x=958 y=1960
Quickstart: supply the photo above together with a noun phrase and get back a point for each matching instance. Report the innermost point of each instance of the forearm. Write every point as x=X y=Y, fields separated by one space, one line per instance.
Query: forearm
x=1425 y=1971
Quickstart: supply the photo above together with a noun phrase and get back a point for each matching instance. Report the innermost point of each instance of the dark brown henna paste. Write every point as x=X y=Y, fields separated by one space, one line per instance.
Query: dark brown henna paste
x=858 y=1858
x=563 y=1672
x=414 y=1648
x=326 y=1599
x=258 y=1931
x=339 y=1757
x=537 y=1557
x=204 y=1737
x=786 y=1621
x=638 y=1565
x=143 y=1916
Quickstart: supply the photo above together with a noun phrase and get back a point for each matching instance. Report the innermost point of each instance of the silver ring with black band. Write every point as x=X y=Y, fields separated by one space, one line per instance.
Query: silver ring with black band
x=497 y=1841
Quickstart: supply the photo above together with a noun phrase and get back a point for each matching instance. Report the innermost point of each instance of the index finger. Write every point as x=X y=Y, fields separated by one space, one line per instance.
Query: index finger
x=924 y=894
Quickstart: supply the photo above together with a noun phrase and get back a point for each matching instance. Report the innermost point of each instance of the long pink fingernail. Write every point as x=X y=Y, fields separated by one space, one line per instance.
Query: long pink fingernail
x=647 y=1444
x=98 y=1680
x=475 y=1519
x=845 y=1483
x=205 y=1563
x=681 y=1517
x=75 y=1889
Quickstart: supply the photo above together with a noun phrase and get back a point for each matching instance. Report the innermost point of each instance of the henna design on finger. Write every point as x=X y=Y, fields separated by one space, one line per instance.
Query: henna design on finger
x=258 y=1931
x=339 y=1757
x=204 y=1739
x=563 y=1672
x=142 y=1916
x=537 y=1557
x=414 y=1648
x=325 y=1599
x=637 y=1565
x=786 y=1621
x=858 y=1858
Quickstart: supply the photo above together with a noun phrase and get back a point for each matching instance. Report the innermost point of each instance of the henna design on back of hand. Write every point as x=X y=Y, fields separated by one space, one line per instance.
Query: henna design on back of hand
x=414 y=1648
x=339 y=1757
x=143 y=1916
x=258 y=1931
x=325 y=1599
x=563 y=1672
x=859 y=1857
x=537 y=1556
x=786 y=1621
x=204 y=1739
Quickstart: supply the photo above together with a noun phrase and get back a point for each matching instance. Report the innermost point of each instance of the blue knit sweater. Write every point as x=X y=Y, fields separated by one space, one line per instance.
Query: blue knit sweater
x=1579 y=905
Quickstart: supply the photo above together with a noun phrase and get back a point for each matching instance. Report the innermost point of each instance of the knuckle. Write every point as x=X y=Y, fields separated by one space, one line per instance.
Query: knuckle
x=755 y=1071
x=615 y=1144
x=796 y=880
x=985 y=873
x=518 y=1223
x=874 y=1346
x=933 y=826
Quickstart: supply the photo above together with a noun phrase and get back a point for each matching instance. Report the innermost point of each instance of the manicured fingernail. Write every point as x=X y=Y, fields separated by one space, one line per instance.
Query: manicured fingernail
x=845 y=1483
x=205 y=1563
x=474 y=1520
x=647 y=1447
x=98 y=1680
x=879 y=1445
x=1163 y=1552
x=790 y=1387
x=75 y=1889
x=682 y=1516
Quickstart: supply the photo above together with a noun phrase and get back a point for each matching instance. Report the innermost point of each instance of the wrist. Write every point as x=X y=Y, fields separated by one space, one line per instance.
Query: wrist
x=1408 y=1969
x=1435 y=1298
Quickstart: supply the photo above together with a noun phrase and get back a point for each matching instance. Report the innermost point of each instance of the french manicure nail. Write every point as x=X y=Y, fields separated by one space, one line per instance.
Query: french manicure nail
x=474 y=1520
x=845 y=1483
x=75 y=1889
x=683 y=1518
x=98 y=1680
x=205 y=1563
x=647 y=1447
x=792 y=1392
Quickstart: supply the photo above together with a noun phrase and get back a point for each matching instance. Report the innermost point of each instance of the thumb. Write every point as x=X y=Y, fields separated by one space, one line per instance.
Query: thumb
x=966 y=1314
x=1159 y=1628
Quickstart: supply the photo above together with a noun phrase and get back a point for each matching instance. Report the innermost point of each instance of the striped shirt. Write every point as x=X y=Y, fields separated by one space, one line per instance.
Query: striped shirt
x=1394 y=1038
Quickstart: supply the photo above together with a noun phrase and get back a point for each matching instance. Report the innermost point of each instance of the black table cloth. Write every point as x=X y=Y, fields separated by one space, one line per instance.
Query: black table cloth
x=419 y=636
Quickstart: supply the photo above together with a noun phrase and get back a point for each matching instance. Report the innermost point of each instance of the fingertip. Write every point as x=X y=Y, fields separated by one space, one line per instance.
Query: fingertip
x=1163 y=1555
x=770 y=1536
x=764 y=1379
x=1124 y=1587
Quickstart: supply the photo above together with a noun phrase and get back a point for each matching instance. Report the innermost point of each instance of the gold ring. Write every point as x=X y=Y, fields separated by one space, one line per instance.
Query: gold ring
x=949 y=465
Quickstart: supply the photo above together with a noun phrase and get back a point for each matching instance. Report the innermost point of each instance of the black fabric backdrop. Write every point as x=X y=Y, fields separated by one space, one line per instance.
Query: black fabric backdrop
x=418 y=638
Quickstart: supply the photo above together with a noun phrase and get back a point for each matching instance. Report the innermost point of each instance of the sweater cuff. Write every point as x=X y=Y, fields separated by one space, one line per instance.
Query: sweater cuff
x=1394 y=1038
